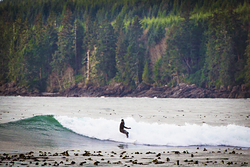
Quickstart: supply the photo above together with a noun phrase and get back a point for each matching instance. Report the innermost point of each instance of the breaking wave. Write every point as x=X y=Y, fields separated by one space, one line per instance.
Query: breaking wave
x=158 y=134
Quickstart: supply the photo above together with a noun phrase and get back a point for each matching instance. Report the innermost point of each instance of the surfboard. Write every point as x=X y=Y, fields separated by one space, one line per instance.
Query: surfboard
x=133 y=141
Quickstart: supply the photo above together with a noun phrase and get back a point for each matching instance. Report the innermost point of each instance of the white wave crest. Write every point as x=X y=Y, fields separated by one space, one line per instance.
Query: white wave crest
x=158 y=134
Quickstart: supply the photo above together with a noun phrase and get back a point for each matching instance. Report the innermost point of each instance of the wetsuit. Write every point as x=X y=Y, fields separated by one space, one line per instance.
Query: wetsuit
x=122 y=130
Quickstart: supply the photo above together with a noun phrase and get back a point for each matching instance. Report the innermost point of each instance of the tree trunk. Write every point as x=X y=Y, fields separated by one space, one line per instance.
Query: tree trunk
x=88 y=64
x=76 y=48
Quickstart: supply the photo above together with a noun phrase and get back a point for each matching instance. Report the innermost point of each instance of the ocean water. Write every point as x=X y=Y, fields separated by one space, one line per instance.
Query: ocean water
x=33 y=123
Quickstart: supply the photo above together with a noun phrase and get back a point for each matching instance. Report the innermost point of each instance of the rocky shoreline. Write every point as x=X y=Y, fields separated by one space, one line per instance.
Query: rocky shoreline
x=142 y=90
x=200 y=156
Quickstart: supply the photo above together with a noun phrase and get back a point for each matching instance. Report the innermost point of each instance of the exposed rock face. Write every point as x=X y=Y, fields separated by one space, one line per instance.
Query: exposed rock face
x=142 y=90
x=10 y=89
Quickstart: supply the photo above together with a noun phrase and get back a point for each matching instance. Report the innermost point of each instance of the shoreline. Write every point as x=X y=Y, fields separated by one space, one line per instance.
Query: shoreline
x=166 y=156
x=182 y=90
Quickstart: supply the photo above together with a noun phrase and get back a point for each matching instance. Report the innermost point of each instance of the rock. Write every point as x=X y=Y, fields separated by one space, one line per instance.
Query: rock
x=81 y=163
x=56 y=154
x=182 y=90
x=242 y=95
x=158 y=155
x=96 y=163
x=233 y=152
x=193 y=86
x=243 y=87
x=22 y=156
x=123 y=152
x=157 y=162
x=223 y=88
x=87 y=153
x=176 y=152
x=31 y=152
x=11 y=84
x=119 y=162
x=149 y=152
x=182 y=85
x=142 y=87
x=234 y=91
x=65 y=153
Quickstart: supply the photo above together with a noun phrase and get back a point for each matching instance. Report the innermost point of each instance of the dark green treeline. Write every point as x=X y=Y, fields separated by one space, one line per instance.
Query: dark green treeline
x=51 y=45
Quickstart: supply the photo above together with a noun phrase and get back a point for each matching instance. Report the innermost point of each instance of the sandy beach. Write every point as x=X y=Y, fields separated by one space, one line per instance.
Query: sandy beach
x=130 y=157
x=14 y=154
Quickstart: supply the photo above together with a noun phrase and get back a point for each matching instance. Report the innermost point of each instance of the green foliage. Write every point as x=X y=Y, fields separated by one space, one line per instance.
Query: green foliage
x=5 y=38
x=157 y=71
x=247 y=66
x=221 y=59
x=44 y=44
x=146 y=74
x=121 y=50
x=182 y=52
x=64 y=56
x=155 y=34
x=17 y=50
x=105 y=55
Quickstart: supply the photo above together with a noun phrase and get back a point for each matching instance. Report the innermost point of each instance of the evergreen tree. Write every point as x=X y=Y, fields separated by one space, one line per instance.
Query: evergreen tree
x=121 y=50
x=78 y=42
x=64 y=56
x=146 y=75
x=18 y=46
x=49 y=43
x=88 y=34
x=118 y=25
x=135 y=50
x=35 y=56
x=183 y=50
x=220 y=51
x=89 y=45
x=39 y=40
x=5 y=38
x=247 y=66
x=106 y=65
x=157 y=71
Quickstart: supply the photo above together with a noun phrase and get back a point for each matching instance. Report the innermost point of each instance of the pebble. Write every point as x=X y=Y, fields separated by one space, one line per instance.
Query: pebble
x=52 y=159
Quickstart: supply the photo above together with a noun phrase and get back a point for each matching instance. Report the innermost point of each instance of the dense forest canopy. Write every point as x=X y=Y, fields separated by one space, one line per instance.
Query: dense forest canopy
x=51 y=45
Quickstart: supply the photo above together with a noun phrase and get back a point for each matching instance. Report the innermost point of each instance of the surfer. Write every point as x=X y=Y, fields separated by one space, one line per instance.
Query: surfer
x=122 y=126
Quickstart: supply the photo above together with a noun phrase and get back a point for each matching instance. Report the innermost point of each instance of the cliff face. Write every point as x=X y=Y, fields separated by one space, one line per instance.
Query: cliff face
x=158 y=50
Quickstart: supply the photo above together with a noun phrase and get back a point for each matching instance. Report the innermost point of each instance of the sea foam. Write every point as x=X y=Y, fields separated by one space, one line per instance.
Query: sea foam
x=158 y=134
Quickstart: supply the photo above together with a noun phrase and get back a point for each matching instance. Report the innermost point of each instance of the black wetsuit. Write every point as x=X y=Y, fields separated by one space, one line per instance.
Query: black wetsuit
x=122 y=130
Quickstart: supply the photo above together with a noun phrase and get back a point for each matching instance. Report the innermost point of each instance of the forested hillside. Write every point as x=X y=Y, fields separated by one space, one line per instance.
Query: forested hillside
x=52 y=45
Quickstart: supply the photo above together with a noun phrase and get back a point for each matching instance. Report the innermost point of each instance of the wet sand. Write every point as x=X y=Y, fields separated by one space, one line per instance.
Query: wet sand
x=130 y=157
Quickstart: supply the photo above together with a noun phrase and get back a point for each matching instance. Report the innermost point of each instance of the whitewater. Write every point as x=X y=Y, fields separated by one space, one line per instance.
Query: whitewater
x=32 y=123
x=159 y=134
